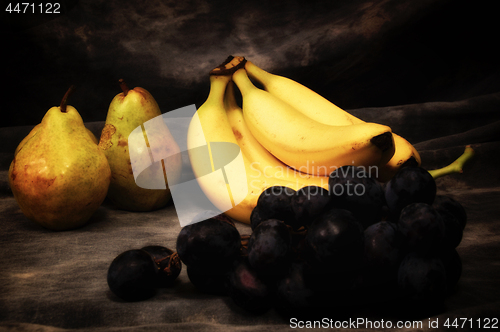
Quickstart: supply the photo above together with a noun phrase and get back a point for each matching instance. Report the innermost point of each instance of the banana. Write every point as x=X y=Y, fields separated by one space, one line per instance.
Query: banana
x=218 y=120
x=209 y=127
x=261 y=160
x=305 y=144
x=405 y=154
x=322 y=110
x=263 y=169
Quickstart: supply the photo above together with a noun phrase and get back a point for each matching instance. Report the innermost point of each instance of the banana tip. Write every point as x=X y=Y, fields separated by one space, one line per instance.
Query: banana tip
x=383 y=141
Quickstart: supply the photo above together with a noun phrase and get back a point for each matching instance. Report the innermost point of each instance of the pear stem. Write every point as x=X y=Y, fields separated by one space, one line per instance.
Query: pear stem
x=456 y=166
x=124 y=86
x=64 y=101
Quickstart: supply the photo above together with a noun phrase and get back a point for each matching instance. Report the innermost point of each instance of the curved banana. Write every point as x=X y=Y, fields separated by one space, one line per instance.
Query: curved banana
x=211 y=124
x=405 y=154
x=305 y=144
x=208 y=127
x=322 y=110
x=263 y=169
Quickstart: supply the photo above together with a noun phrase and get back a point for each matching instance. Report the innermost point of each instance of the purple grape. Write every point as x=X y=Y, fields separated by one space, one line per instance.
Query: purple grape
x=453 y=267
x=132 y=275
x=269 y=248
x=448 y=204
x=210 y=281
x=353 y=188
x=308 y=203
x=453 y=231
x=341 y=282
x=210 y=243
x=409 y=185
x=248 y=290
x=382 y=253
x=335 y=241
x=274 y=203
x=422 y=278
x=256 y=217
x=292 y=291
x=422 y=227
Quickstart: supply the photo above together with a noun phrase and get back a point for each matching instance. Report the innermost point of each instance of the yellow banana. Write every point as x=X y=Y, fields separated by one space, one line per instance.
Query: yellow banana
x=263 y=169
x=208 y=127
x=322 y=110
x=308 y=145
x=405 y=154
x=219 y=119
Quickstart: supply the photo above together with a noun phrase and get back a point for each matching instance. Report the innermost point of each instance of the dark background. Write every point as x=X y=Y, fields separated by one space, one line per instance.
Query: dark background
x=429 y=69
x=356 y=53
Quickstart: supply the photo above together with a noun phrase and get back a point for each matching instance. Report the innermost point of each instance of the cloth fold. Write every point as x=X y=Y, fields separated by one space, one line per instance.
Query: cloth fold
x=428 y=69
x=56 y=281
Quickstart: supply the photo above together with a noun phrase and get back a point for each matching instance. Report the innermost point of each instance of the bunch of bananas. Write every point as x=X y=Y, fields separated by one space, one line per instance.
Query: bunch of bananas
x=288 y=135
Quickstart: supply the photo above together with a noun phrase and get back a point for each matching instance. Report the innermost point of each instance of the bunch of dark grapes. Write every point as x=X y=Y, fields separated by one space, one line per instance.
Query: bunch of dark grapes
x=427 y=230
x=358 y=241
x=136 y=274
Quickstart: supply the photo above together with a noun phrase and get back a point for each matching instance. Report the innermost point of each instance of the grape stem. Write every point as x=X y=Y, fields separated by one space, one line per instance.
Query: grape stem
x=244 y=245
x=174 y=261
x=456 y=166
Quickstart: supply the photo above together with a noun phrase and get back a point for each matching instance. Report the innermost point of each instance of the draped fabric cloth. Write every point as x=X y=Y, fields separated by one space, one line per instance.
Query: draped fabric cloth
x=378 y=60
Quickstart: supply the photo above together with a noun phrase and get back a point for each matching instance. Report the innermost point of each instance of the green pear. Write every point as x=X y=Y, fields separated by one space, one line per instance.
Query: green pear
x=130 y=110
x=59 y=176
x=35 y=129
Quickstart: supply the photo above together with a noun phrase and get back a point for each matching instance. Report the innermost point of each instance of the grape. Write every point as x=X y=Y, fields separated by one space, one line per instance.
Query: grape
x=269 y=248
x=132 y=275
x=210 y=243
x=248 y=290
x=352 y=188
x=453 y=267
x=422 y=277
x=314 y=245
x=256 y=218
x=335 y=241
x=210 y=281
x=409 y=185
x=292 y=291
x=422 y=227
x=168 y=263
x=308 y=203
x=445 y=203
x=275 y=203
x=341 y=282
x=453 y=231
x=382 y=253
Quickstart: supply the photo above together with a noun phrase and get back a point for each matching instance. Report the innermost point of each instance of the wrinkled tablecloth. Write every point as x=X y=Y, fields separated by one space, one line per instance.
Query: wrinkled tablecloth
x=56 y=281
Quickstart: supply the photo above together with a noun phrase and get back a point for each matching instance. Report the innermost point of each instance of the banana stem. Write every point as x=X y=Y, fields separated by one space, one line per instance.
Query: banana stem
x=123 y=86
x=64 y=101
x=456 y=166
x=229 y=66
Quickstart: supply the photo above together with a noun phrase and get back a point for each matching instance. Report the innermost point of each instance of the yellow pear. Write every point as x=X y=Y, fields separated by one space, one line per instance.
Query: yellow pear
x=129 y=110
x=59 y=176
x=35 y=129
